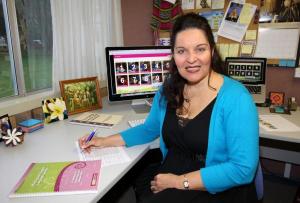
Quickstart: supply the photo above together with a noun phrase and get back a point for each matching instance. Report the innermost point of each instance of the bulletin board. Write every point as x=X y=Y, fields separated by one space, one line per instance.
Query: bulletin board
x=228 y=47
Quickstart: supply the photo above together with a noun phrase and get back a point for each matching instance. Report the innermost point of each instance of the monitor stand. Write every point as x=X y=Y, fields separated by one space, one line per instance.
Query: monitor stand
x=141 y=105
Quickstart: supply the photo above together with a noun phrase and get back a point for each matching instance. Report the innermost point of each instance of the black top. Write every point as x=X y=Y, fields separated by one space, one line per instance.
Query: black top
x=186 y=141
x=187 y=147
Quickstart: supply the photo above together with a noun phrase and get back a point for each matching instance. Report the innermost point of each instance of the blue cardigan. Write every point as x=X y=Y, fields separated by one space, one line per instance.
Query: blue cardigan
x=233 y=143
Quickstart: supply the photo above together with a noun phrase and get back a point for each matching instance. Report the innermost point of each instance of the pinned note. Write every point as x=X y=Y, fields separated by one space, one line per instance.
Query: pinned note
x=233 y=50
x=250 y=35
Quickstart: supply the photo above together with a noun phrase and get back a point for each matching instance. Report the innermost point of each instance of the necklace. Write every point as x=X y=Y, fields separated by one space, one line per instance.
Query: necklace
x=182 y=113
x=182 y=121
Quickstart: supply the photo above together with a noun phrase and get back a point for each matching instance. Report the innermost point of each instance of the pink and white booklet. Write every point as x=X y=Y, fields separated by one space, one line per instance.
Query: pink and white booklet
x=58 y=178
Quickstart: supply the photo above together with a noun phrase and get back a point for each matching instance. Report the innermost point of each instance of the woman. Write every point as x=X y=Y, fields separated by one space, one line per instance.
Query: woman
x=207 y=123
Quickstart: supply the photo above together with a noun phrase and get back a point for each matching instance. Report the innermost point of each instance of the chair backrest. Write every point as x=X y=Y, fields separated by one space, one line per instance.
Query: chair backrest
x=259 y=183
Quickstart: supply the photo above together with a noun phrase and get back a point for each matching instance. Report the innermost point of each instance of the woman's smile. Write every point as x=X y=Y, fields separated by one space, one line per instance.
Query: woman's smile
x=192 y=69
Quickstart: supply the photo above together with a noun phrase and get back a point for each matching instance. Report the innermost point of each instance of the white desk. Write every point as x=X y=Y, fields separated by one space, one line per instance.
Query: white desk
x=283 y=136
x=56 y=142
x=281 y=146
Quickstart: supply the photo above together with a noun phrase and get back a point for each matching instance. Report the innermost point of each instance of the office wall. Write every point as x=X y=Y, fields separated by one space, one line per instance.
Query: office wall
x=136 y=19
x=136 y=29
x=283 y=80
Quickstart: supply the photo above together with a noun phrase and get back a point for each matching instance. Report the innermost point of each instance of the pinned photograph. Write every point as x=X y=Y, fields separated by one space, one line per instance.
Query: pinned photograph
x=233 y=12
x=280 y=11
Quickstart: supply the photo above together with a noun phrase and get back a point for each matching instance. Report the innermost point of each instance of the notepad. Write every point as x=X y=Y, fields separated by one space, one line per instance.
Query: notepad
x=108 y=155
x=30 y=122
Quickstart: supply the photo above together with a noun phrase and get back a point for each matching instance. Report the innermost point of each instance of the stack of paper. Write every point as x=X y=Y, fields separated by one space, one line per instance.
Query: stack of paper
x=108 y=155
x=31 y=125
x=97 y=119
x=277 y=123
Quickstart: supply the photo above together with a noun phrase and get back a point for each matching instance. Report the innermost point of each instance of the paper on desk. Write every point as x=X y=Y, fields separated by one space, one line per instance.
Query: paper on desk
x=108 y=155
x=277 y=123
x=97 y=119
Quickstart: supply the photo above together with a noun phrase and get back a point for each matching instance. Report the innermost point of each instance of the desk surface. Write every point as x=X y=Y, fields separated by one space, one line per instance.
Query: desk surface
x=282 y=136
x=56 y=142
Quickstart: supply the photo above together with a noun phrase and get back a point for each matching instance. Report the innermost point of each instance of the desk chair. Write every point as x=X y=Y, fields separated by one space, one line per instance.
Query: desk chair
x=259 y=183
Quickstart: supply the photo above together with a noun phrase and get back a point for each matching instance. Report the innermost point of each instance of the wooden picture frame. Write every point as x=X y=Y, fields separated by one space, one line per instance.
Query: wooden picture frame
x=81 y=95
x=276 y=98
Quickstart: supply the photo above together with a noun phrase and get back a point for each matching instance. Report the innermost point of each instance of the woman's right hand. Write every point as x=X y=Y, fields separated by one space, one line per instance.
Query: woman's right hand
x=86 y=146
x=110 y=141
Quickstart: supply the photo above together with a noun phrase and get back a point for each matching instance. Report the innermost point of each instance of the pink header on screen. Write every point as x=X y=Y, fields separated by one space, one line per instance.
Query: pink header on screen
x=140 y=55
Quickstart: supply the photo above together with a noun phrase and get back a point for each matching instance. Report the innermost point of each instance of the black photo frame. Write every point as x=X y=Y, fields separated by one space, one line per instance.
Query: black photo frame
x=5 y=124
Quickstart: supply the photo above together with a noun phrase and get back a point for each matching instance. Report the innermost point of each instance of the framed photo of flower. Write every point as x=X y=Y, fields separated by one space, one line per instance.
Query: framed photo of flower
x=5 y=124
x=277 y=98
x=81 y=95
x=54 y=109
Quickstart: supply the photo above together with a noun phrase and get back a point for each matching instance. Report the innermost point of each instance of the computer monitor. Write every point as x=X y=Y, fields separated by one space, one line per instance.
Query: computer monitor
x=246 y=70
x=136 y=72
x=251 y=72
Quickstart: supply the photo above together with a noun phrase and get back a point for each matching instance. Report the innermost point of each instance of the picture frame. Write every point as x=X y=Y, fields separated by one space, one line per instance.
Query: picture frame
x=279 y=11
x=276 y=98
x=81 y=95
x=5 y=124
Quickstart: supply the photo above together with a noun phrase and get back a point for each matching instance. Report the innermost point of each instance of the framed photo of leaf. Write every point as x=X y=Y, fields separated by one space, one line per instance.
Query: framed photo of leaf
x=54 y=109
x=81 y=94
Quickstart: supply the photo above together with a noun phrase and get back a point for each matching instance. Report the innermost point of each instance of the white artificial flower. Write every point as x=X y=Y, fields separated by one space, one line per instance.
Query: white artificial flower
x=12 y=137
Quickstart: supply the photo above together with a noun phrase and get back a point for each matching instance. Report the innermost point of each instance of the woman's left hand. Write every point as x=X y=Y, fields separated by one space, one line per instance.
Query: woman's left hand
x=164 y=181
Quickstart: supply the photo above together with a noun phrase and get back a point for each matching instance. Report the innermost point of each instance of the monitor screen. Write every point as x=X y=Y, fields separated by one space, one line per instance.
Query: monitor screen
x=246 y=70
x=136 y=72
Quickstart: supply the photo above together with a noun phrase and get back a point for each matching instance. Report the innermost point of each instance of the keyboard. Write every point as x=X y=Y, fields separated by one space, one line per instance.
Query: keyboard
x=136 y=122
x=254 y=89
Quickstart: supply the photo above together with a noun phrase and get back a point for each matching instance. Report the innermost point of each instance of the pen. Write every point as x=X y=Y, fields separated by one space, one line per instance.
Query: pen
x=90 y=137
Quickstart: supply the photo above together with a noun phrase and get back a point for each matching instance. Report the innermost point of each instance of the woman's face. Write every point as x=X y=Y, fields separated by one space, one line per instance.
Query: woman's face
x=192 y=55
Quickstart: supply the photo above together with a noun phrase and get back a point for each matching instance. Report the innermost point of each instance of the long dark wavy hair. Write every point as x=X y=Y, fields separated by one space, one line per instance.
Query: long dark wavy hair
x=174 y=85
